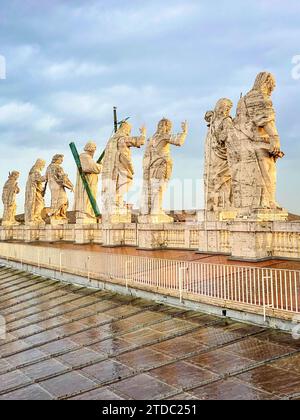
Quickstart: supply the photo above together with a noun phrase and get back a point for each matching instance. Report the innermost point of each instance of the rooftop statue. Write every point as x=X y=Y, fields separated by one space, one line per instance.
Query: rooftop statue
x=34 y=196
x=241 y=156
x=118 y=172
x=157 y=171
x=217 y=177
x=256 y=147
x=10 y=190
x=58 y=182
x=82 y=205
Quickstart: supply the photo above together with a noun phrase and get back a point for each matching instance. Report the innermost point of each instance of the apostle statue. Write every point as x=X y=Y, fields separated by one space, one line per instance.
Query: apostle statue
x=34 y=196
x=117 y=174
x=58 y=182
x=10 y=190
x=82 y=206
x=157 y=170
x=257 y=141
x=217 y=177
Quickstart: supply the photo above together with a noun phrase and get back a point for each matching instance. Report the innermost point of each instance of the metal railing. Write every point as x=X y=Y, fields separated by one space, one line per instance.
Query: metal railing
x=260 y=288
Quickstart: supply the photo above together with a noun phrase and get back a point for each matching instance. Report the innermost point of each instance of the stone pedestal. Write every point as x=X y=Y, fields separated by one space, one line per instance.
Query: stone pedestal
x=152 y=236
x=84 y=234
x=58 y=222
x=155 y=219
x=6 y=233
x=251 y=241
x=32 y=232
x=113 y=234
x=117 y=216
x=268 y=215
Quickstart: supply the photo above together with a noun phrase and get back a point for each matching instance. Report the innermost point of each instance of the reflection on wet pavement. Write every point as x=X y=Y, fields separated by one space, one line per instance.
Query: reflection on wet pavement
x=67 y=342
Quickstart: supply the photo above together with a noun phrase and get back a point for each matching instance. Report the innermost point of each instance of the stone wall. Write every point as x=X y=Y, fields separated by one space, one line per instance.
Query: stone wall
x=244 y=240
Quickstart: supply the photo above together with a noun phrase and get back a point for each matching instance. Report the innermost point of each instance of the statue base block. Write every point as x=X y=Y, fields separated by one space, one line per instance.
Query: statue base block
x=56 y=222
x=117 y=218
x=227 y=215
x=266 y=215
x=155 y=219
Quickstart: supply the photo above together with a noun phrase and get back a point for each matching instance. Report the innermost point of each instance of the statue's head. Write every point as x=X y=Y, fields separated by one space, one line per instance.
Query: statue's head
x=164 y=126
x=223 y=107
x=14 y=175
x=40 y=164
x=58 y=159
x=90 y=147
x=125 y=128
x=265 y=82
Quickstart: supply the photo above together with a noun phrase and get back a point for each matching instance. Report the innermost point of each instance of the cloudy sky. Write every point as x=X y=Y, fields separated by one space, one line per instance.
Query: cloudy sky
x=69 y=62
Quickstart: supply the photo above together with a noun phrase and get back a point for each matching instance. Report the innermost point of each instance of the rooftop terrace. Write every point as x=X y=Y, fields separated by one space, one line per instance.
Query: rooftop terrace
x=70 y=342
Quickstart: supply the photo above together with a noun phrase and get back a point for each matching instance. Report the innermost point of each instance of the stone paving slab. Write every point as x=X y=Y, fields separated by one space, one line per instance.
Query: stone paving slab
x=121 y=348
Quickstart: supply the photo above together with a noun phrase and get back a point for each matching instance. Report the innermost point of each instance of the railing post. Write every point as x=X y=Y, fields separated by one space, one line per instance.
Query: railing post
x=39 y=266
x=182 y=270
x=88 y=267
x=60 y=262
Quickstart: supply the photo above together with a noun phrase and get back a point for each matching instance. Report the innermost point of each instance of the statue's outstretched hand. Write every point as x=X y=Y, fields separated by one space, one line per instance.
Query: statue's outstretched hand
x=184 y=126
x=275 y=145
x=143 y=131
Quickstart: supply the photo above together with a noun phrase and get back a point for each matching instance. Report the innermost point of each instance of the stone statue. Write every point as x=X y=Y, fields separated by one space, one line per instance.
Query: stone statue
x=34 y=196
x=10 y=190
x=82 y=206
x=157 y=167
x=254 y=148
x=217 y=177
x=58 y=181
x=117 y=174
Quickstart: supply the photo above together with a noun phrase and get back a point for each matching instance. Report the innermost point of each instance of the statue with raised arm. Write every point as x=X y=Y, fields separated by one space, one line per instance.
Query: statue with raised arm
x=10 y=191
x=217 y=177
x=34 y=195
x=82 y=206
x=58 y=182
x=117 y=174
x=257 y=148
x=157 y=168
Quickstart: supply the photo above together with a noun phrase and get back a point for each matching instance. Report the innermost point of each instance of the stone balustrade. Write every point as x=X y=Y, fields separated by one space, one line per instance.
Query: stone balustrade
x=238 y=239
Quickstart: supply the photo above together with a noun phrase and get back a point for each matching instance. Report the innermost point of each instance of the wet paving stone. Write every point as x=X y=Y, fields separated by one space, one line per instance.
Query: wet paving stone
x=144 y=359
x=58 y=346
x=112 y=345
x=43 y=369
x=102 y=394
x=91 y=335
x=214 y=336
x=78 y=357
x=181 y=374
x=32 y=392
x=25 y=357
x=67 y=384
x=142 y=387
x=144 y=337
x=107 y=371
x=271 y=379
x=96 y=319
x=137 y=353
x=179 y=346
x=257 y=350
x=278 y=337
x=183 y=397
x=220 y=361
x=13 y=379
x=172 y=324
x=16 y=346
x=291 y=363
x=230 y=390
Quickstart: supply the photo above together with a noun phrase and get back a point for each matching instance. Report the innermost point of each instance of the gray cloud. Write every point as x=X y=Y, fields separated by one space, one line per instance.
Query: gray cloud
x=70 y=62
